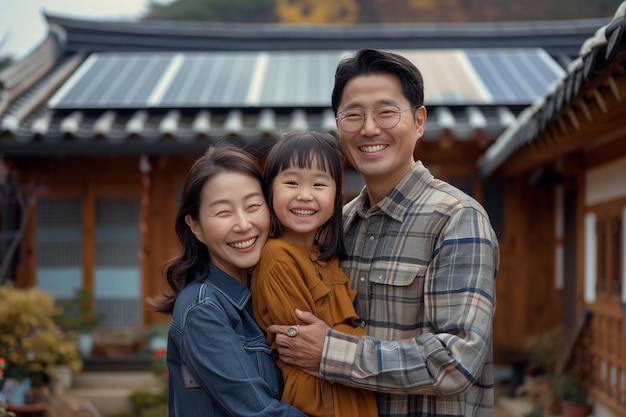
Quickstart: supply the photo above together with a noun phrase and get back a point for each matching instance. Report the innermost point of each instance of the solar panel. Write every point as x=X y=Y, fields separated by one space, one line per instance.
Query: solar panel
x=112 y=81
x=515 y=76
x=209 y=81
x=298 y=79
x=125 y=80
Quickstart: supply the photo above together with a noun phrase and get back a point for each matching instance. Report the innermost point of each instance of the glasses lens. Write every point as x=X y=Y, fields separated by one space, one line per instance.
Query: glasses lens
x=386 y=116
x=351 y=120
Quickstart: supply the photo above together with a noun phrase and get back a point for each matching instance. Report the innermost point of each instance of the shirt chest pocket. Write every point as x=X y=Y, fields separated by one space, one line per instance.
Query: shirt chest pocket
x=395 y=281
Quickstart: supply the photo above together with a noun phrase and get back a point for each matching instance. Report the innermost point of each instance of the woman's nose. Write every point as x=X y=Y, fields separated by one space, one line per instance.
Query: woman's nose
x=243 y=222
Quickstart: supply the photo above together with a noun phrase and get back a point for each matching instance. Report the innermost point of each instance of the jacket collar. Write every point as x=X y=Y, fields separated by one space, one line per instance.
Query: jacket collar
x=237 y=294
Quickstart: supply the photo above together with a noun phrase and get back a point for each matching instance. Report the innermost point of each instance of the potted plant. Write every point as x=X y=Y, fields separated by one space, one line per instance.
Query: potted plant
x=78 y=315
x=29 y=341
x=575 y=396
x=120 y=342
x=68 y=362
x=545 y=354
x=3 y=411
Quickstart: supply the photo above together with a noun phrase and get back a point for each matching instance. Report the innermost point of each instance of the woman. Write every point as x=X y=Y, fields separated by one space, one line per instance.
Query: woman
x=218 y=361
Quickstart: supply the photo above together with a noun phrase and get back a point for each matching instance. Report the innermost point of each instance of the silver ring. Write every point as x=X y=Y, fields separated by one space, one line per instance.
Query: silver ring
x=293 y=331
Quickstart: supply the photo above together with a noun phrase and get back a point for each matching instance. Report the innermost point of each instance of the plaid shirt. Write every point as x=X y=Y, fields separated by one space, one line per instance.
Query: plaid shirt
x=424 y=261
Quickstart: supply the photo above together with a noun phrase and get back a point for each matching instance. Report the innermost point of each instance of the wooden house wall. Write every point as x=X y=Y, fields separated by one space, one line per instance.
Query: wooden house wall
x=118 y=176
x=586 y=137
x=89 y=178
x=528 y=301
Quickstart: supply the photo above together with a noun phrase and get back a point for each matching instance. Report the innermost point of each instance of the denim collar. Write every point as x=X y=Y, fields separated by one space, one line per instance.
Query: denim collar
x=237 y=294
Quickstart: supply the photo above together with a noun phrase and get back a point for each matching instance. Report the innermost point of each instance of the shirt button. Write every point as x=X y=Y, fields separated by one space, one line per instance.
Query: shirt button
x=362 y=279
x=371 y=237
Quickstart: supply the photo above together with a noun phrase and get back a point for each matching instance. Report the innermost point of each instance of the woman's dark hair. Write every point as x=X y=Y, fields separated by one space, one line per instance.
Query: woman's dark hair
x=193 y=261
x=372 y=61
x=308 y=150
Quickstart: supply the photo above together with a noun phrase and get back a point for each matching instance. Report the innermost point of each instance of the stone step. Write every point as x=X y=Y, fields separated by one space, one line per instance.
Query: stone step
x=108 y=392
x=142 y=361
x=107 y=401
x=117 y=379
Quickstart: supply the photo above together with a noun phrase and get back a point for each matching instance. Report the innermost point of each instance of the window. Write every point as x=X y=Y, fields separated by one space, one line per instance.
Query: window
x=59 y=246
x=64 y=259
x=609 y=251
x=117 y=269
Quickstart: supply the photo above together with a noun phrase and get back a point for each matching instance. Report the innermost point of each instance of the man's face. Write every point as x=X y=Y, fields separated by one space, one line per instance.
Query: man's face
x=382 y=156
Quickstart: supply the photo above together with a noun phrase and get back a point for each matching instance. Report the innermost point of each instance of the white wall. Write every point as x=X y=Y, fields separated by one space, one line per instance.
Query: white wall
x=606 y=182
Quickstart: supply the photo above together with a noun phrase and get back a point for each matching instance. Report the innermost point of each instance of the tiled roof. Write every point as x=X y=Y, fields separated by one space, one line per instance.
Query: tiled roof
x=28 y=126
x=595 y=54
x=179 y=130
x=556 y=37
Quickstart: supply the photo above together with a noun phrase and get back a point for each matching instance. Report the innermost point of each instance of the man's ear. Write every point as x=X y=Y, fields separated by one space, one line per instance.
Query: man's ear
x=420 y=121
x=420 y=116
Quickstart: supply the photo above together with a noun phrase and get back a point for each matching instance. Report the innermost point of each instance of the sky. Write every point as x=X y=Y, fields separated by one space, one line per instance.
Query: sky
x=23 y=27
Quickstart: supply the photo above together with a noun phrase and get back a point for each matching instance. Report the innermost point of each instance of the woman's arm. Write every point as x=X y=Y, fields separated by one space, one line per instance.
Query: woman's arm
x=214 y=354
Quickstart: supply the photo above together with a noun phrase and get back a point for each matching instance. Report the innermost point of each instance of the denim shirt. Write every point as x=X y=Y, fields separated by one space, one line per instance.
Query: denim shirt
x=218 y=361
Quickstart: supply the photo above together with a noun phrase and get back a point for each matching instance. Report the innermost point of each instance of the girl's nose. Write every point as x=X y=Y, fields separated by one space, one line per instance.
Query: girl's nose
x=304 y=196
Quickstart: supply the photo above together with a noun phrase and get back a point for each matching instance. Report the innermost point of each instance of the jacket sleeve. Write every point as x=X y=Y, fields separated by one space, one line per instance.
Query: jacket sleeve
x=216 y=358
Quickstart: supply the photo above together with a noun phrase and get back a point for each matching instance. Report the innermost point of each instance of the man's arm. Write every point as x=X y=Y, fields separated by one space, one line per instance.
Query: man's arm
x=304 y=350
x=460 y=302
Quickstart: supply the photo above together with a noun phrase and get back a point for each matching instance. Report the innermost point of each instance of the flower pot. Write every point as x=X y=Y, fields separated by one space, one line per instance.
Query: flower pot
x=575 y=410
x=84 y=342
x=14 y=391
x=61 y=379
x=552 y=406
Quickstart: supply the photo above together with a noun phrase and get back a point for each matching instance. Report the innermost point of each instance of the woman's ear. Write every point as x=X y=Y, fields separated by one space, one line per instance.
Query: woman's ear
x=194 y=226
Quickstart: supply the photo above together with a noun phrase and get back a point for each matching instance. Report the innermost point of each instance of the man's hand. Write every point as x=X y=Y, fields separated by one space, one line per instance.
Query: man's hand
x=304 y=350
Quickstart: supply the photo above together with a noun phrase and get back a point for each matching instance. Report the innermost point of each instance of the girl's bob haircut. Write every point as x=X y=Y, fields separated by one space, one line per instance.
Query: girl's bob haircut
x=309 y=150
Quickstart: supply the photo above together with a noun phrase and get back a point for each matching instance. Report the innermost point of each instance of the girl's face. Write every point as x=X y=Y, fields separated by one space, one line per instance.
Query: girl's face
x=233 y=222
x=303 y=200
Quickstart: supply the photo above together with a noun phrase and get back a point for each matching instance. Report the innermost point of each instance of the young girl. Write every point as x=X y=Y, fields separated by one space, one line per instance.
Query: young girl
x=299 y=265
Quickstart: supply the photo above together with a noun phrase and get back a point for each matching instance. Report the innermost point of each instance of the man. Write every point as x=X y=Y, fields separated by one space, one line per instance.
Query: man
x=421 y=253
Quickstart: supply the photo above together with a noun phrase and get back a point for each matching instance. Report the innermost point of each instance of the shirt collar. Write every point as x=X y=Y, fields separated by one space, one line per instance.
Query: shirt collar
x=396 y=202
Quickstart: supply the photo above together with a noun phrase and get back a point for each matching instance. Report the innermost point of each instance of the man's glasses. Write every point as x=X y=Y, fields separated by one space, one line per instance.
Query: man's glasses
x=385 y=117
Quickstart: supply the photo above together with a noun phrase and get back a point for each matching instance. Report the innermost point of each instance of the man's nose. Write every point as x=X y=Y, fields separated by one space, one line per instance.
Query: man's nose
x=370 y=126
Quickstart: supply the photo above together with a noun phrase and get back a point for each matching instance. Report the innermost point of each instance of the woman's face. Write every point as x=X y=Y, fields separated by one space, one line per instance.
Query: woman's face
x=233 y=222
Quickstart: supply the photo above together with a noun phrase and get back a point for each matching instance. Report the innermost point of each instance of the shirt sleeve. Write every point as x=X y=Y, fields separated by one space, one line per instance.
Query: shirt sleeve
x=459 y=302
x=217 y=359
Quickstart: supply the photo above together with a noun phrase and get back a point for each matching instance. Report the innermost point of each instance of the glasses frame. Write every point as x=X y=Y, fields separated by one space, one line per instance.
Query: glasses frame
x=371 y=111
